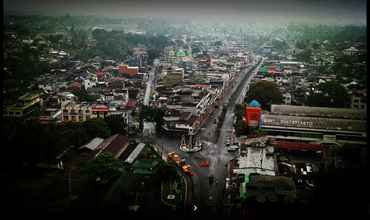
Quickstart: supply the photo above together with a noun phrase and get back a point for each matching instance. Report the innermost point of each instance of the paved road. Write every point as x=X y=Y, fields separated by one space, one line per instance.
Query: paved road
x=205 y=196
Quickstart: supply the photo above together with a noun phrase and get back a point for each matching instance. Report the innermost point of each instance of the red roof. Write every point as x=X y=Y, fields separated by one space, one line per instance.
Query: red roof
x=131 y=103
x=99 y=73
x=75 y=85
x=290 y=145
x=99 y=107
x=125 y=69
x=115 y=145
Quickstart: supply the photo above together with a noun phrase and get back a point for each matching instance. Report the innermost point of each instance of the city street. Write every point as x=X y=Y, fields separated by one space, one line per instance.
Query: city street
x=208 y=196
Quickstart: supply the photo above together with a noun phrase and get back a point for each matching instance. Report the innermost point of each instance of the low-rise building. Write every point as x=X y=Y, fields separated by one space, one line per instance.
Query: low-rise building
x=76 y=112
x=23 y=106
x=359 y=99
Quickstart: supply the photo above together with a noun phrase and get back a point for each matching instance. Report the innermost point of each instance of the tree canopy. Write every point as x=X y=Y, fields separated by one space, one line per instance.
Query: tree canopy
x=152 y=114
x=332 y=94
x=104 y=166
x=265 y=92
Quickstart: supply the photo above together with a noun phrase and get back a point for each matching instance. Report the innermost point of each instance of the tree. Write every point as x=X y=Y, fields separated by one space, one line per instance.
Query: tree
x=239 y=125
x=115 y=123
x=167 y=172
x=152 y=114
x=266 y=93
x=97 y=127
x=83 y=96
x=332 y=94
x=104 y=166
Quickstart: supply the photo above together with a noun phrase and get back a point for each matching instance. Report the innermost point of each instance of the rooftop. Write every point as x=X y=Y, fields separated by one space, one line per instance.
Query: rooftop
x=314 y=123
x=346 y=113
x=257 y=160
x=134 y=154
x=93 y=144
x=115 y=144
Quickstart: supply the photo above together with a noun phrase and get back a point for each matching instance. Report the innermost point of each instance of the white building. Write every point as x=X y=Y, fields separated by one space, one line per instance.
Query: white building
x=358 y=100
x=88 y=83
x=149 y=129
x=287 y=98
x=256 y=157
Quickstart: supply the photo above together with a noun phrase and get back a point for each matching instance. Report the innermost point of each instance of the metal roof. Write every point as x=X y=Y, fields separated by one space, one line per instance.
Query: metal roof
x=256 y=160
x=314 y=123
x=134 y=154
x=93 y=144
x=346 y=113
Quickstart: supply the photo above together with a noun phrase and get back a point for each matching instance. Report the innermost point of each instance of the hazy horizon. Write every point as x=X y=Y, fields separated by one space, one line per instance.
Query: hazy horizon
x=238 y=11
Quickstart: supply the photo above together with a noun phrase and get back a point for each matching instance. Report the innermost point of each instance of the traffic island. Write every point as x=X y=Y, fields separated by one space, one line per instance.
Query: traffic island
x=186 y=149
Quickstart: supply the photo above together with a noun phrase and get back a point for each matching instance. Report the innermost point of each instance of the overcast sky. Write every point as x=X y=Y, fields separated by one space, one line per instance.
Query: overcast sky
x=319 y=11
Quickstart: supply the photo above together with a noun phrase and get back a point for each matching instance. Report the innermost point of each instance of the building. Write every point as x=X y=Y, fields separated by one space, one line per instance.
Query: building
x=345 y=124
x=76 y=112
x=172 y=76
x=264 y=188
x=115 y=145
x=149 y=129
x=135 y=153
x=130 y=71
x=23 y=106
x=351 y=51
x=358 y=99
x=256 y=157
x=93 y=144
x=252 y=114
x=287 y=98
x=99 y=111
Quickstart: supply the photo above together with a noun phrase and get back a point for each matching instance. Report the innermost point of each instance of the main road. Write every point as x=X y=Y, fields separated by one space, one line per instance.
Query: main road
x=208 y=197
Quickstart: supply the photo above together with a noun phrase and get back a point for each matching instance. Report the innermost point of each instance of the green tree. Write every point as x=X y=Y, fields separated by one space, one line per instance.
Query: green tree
x=116 y=124
x=104 y=166
x=332 y=94
x=167 y=172
x=152 y=114
x=239 y=125
x=83 y=96
x=97 y=127
x=266 y=93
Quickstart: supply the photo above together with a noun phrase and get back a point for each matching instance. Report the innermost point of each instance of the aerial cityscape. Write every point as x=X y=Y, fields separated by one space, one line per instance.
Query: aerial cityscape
x=235 y=109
